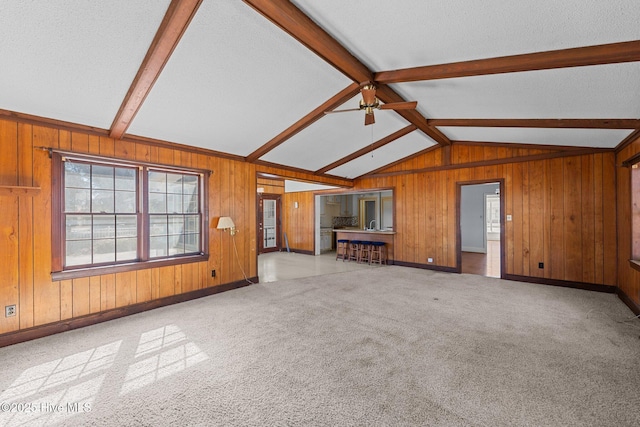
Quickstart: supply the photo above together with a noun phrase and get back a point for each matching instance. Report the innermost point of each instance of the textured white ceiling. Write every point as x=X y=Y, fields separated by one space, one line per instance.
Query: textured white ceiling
x=398 y=149
x=334 y=137
x=387 y=35
x=234 y=82
x=596 y=138
x=73 y=60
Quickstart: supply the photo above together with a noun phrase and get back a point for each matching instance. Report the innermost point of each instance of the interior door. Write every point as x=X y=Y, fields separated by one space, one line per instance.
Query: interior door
x=269 y=223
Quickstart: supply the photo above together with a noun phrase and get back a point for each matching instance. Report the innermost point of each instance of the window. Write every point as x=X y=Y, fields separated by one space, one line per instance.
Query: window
x=634 y=169
x=117 y=216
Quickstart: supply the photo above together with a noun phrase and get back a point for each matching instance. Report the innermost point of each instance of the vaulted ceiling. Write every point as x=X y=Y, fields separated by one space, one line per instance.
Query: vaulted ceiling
x=253 y=79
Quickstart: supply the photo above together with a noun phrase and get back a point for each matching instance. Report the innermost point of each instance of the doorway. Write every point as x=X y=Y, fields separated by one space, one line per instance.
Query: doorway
x=481 y=225
x=269 y=223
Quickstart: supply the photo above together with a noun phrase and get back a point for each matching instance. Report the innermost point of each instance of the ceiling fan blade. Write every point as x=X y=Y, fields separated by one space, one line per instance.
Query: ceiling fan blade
x=342 y=111
x=369 y=94
x=369 y=119
x=399 y=105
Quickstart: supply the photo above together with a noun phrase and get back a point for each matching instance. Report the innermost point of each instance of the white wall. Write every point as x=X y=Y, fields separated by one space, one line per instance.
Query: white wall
x=472 y=221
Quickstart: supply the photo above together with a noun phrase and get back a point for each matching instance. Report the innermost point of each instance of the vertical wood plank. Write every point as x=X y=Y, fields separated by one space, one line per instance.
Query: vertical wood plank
x=587 y=220
x=46 y=293
x=80 y=294
x=557 y=242
x=609 y=218
x=95 y=294
x=108 y=291
x=572 y=219
x=125 y=288
x=66 y=299
x=143 y=285
x=536 y=214
x=9 y=227
x=25 y=228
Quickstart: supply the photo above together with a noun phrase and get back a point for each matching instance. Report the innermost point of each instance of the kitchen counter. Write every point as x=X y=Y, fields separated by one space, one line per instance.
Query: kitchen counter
x=388 y=237
x=359 y=230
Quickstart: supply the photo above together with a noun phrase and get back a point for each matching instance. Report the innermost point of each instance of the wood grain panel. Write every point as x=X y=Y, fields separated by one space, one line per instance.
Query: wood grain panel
x=588 y=220
x=46 y=294
x=9 y=228
x=80 y=295
x=25 y=229
x=536 y=214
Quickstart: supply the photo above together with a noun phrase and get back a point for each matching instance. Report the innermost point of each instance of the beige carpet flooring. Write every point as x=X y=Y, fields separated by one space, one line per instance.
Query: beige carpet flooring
x=388 y=346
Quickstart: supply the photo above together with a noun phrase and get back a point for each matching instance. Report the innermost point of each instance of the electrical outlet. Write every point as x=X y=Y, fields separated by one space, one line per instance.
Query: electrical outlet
x=9 y=310
x=429 y=259
x=213 y=273
x=541 y=265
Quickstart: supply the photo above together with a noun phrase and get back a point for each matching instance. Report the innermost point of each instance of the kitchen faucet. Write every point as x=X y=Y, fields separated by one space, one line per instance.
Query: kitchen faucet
x=370 y=226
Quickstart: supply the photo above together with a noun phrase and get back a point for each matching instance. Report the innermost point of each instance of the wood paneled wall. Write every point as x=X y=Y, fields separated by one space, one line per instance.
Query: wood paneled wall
x=628 y=277
x=271 y=186
x=299 y=223
x=25 y=233
x=563 y=211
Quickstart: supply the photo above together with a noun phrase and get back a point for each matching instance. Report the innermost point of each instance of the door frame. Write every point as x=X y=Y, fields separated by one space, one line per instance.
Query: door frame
x=259 y=218
x=501 y=183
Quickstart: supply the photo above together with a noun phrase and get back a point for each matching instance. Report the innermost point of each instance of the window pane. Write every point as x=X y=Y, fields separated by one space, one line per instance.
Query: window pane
x=158 y=246
x=78 y=227
x=192 y=224
x=76 y=175
x=77 y=200
x=104 y=250
x=176 y=245
x=174 y=183
x=190 y=184
x=125 y=201
x=157 y=182
x=158 y=225
x=104 y=226
x=157 y=203
x=176 y=224
x=191 y=243
x=190 y=204
x=102 y=177
x=174 y=203
x=126 y=226
x=125 y=179
x=78 y=252
x=127 y=249
x=103 y=201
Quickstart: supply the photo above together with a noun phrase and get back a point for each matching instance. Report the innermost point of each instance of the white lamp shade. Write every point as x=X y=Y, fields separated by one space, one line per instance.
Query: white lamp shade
x=225 y=222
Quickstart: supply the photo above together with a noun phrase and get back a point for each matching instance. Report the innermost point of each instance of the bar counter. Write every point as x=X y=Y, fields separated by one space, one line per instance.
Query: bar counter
x=387 y=237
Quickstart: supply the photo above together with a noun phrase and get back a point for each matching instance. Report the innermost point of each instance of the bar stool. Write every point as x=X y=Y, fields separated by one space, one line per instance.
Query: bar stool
x=354 y=250
x=364 y=254
x=378 y=253
x=342 y=249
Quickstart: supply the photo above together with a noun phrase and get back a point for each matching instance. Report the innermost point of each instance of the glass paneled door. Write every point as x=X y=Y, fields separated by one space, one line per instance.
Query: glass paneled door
x=269 y=223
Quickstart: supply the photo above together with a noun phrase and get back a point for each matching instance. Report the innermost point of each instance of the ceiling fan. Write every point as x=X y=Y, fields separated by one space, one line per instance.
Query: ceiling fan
x=369 y=102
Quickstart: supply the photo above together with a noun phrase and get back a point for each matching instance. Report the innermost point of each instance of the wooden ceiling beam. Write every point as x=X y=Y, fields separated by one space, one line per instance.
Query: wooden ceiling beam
x=315 y=115
x=369 y=148
x=292 y=20
x=174 y=24
x=541 y=123
x=387 y=95
x=575 y=57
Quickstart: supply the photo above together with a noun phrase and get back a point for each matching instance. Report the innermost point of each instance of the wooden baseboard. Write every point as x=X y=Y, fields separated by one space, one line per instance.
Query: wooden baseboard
x=629 y=302
x=562 y=283
x=11 y=338
x=424 y=266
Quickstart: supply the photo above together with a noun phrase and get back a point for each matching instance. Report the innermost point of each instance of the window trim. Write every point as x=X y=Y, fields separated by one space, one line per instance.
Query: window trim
x=57 y=226
x=633 y=164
